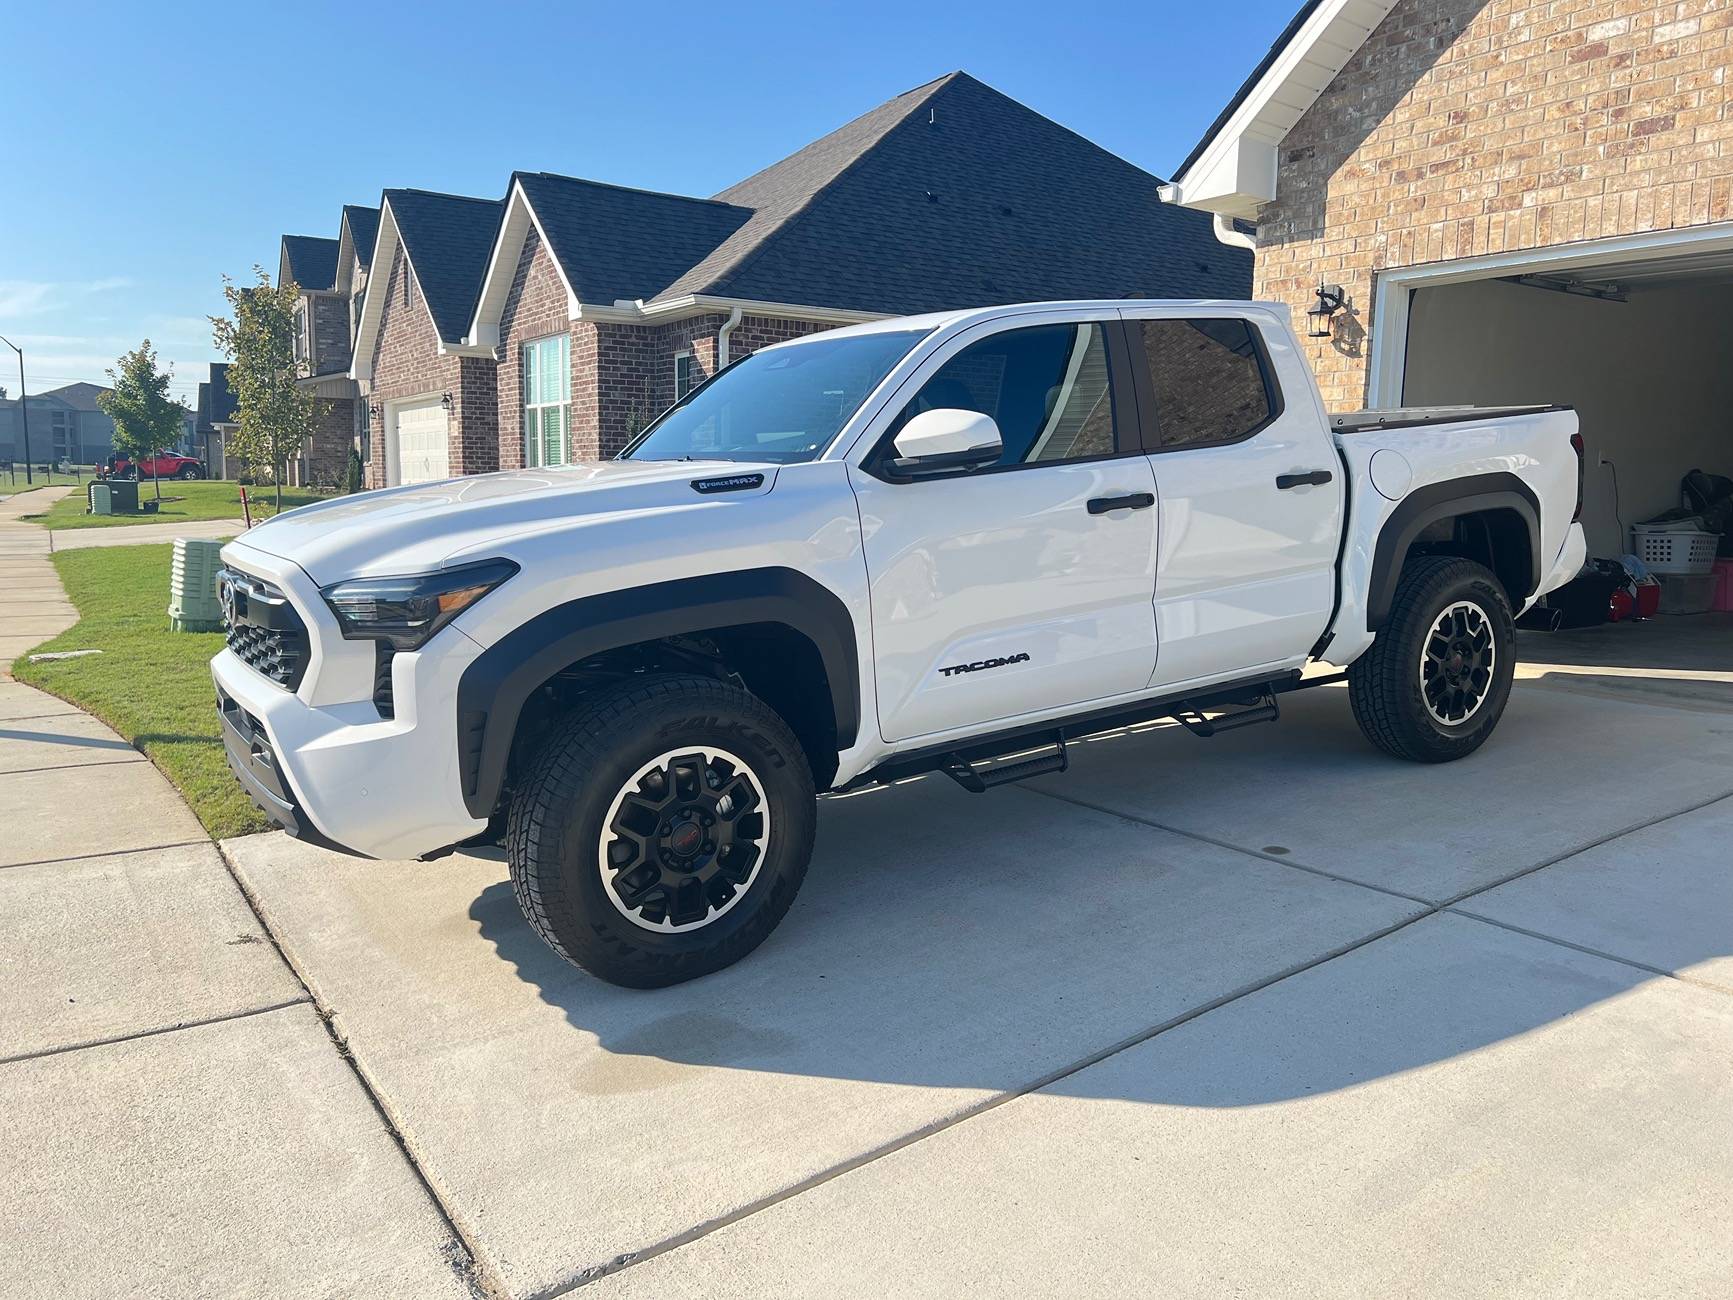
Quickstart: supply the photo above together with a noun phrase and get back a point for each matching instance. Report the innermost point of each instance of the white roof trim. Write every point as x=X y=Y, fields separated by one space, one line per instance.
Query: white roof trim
x=1236 y=172
x=640 y=312
x=508 y=246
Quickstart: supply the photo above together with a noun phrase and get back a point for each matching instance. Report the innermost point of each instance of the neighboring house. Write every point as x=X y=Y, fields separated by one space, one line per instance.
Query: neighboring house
x=603 y=304
x=65 y=424
x=434 y=395
x=357 y=231
x=216 y=422
x=323 y=340
x=1513 y=202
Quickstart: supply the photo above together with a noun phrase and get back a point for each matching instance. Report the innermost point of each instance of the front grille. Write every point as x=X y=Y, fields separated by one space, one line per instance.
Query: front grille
x=383 y=699
x=263 y=628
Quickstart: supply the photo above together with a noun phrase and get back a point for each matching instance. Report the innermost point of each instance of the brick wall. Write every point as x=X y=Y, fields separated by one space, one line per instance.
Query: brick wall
x=330 y=333
x=407 y=363
x=326 y=457
x=534 y=308
x=1471 y=127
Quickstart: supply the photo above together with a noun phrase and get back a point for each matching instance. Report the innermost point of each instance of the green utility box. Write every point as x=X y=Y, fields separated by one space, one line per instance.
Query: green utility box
x=113 y=496
x=192 y=597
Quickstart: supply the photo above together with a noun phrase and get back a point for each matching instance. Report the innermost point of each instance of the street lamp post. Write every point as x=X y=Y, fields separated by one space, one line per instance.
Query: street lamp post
x=23 y=406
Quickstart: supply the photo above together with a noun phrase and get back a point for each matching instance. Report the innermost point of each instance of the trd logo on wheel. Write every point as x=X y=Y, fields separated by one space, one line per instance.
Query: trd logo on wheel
x=980 y=664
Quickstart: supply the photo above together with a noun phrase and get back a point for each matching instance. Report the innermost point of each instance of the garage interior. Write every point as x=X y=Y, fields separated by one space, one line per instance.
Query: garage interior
x=1641 y=350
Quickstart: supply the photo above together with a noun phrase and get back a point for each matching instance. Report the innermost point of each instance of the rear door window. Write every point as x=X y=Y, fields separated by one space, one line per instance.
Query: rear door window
x=1210 y=378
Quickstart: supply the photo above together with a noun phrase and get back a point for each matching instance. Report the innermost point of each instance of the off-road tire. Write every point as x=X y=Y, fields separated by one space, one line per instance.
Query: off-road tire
x=558 y=812
x=1385 y=685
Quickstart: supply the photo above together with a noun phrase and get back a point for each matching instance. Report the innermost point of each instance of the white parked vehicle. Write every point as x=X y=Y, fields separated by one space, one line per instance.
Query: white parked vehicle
x=947 y=543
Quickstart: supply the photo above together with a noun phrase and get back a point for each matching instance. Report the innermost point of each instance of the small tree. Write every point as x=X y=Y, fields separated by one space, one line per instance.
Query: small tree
x=274 y=415
x=146 y=419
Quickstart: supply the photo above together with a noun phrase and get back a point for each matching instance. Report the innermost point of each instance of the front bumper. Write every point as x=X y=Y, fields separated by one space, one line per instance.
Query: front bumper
x=252 y=759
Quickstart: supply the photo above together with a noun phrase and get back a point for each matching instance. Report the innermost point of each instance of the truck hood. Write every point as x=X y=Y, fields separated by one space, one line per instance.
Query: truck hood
x=425 y=526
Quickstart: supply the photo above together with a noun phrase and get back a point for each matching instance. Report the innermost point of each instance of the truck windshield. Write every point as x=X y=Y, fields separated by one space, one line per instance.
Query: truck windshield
x=783 y=405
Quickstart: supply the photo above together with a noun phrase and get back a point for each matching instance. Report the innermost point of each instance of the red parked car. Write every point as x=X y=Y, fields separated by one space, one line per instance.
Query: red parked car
x=165 y=464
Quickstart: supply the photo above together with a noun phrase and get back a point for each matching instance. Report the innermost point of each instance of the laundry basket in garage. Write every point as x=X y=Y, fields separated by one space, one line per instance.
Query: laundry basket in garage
x=1668 y=548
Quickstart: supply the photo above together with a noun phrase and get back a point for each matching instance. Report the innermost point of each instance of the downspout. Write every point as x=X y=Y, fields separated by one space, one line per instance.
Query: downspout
x=1225 y=232
x=722 y=338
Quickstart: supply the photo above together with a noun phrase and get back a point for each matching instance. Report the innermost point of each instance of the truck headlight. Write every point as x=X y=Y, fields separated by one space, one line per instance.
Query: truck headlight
x=406 y=611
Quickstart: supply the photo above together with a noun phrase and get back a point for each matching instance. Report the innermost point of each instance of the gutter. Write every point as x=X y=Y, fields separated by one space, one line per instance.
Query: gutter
x=1225 y=232
x=722 y=336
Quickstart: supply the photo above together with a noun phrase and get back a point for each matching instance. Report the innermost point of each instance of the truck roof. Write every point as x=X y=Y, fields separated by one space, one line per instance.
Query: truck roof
x=1107 y=306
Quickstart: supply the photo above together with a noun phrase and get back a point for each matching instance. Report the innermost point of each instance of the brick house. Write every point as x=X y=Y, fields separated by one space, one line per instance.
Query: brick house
x=433 y=397
x=322 y=348
x=595 y=306
x=1513 y=202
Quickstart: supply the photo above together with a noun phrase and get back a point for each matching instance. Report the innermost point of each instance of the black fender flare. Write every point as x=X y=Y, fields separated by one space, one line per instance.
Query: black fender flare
x=1425 y=506
x=494 y=687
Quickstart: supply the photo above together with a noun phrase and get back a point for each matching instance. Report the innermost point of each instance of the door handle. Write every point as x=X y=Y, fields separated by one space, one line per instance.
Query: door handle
x=1312 y=479
x=1130 y=501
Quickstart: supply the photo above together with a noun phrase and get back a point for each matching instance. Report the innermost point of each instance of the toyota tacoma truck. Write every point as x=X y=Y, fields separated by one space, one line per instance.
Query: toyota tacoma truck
x=947 y=543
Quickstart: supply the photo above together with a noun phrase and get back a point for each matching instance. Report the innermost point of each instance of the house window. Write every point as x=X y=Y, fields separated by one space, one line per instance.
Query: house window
x=682 y=374
x=547 y=399
x=301 y=348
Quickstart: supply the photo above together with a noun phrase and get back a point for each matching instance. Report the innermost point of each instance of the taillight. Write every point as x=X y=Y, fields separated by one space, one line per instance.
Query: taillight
x=1577 y=446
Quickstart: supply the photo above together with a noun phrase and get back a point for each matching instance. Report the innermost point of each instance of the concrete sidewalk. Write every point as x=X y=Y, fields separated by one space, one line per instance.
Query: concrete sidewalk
x=78 y=539
x=175 y=1116
x=33 y=605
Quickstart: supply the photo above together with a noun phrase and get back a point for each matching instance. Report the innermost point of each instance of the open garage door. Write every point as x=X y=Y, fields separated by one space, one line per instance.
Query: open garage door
x=1642 y=348
x=418 y=441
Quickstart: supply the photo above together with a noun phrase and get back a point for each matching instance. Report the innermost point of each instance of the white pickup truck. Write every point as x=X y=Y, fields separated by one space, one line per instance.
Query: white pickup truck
x=943 y=543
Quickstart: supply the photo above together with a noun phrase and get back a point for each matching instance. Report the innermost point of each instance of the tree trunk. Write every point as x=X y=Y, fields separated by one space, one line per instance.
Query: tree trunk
x=281 y=470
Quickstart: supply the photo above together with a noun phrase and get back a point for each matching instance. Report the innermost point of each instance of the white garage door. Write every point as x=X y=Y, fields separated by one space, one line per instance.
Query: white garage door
x=419 y=431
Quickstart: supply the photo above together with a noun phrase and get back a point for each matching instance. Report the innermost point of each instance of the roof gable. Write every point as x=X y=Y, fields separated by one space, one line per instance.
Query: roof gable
x=222 y=397
x=80 y=396
x=310 y=261
x=614 y=243
x=1232 y=170
x=361 y=226
x=956 y=195
x=447 y=239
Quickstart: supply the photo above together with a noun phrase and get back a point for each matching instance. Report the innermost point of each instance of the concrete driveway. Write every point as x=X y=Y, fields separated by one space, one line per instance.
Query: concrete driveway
x=1267 y=1014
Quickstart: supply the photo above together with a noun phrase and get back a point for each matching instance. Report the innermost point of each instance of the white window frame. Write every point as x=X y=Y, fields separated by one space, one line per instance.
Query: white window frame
x=532 y=410
x=685 y=354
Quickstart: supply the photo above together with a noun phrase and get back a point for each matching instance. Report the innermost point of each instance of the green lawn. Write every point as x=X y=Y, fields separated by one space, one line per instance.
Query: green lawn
x=200 y=499
x=151 y=685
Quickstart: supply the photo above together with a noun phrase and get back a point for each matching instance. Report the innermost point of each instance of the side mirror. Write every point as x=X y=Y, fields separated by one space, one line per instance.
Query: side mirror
x=945 y=440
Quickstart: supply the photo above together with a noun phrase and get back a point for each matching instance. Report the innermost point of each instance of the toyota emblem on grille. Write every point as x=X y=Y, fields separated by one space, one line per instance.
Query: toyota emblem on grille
x=226 y=598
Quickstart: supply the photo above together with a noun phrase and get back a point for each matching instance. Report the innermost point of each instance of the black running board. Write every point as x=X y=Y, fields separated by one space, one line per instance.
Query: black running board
x=1194 y=721
x=978 y=779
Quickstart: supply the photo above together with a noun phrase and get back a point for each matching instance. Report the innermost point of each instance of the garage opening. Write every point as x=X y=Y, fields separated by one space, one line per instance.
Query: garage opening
x=1642 y=350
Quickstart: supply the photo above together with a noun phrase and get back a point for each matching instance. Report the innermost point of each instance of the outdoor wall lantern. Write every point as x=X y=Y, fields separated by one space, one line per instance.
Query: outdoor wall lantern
x=1330 y=300
x=376 y=411
x=445 y=401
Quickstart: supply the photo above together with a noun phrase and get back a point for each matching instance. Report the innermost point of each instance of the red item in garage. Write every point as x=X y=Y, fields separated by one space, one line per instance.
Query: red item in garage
x=1648 y=599
x=1723 y=586
x=1620 y=606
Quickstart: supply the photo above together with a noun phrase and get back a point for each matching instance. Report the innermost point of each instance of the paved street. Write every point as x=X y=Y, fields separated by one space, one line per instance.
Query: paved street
x=1264 y=1014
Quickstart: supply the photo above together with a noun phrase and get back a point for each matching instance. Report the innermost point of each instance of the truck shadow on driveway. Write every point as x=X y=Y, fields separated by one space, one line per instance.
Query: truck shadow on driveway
x=952 y=941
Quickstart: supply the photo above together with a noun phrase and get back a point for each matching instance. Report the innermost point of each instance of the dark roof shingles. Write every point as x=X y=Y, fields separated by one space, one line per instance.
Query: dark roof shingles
x=312 y=261
x=363 y=226
x=448 y=238
x=955 y=195
x=615 y=243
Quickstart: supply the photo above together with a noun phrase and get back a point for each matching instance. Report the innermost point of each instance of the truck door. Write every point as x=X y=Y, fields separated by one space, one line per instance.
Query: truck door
x=1250 y=489
x=1027 y=585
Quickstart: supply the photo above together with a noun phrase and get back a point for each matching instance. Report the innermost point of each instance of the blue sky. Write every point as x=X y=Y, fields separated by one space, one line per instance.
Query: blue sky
x=146 y=153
